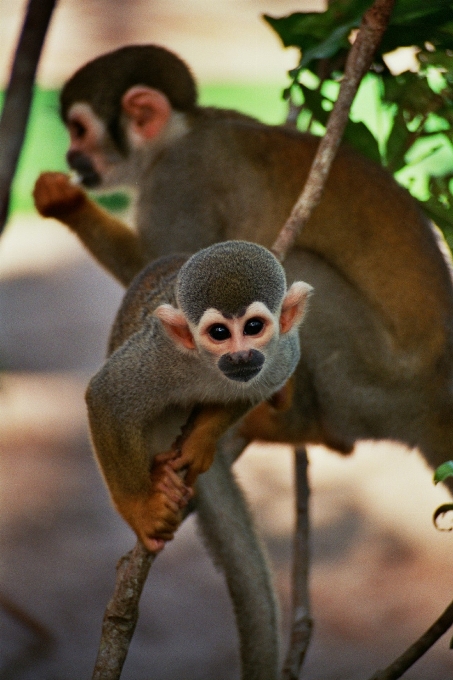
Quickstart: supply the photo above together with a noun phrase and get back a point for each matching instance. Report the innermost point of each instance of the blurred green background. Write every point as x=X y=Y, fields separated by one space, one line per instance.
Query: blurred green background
x=46 y=139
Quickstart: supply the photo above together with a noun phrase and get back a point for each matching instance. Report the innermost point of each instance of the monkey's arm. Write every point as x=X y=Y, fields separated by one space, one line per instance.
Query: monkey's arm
x=112 y=243
x=198 y=449
x=124 y=404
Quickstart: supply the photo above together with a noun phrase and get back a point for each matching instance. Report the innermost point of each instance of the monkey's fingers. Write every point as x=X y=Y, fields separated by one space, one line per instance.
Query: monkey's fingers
x=164 y=478
x=195 y=465
x=54 y=195
x=154 y=545
x=178 y=484
x=164 y=457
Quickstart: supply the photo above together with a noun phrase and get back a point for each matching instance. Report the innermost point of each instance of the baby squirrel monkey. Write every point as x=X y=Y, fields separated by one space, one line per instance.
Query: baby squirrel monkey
x=217 y=330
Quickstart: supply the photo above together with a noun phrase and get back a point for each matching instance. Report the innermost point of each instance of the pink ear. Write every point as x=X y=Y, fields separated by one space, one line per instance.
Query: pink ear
x=294 y=305
x=147 y=109
x=175 y=325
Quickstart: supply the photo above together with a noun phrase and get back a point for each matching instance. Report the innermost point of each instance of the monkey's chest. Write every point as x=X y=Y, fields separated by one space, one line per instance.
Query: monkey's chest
x=166 y=428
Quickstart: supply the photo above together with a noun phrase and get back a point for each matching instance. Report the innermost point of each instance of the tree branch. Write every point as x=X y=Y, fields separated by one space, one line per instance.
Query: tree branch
x=372 y=28
x=302 y=623
x=121 y=615
x=19 y=95
x=420 y=647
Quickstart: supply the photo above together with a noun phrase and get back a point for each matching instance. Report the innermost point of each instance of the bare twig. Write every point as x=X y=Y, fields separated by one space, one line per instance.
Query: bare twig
x=19 y=94
x=121 y=615
x=359 y=60
x=420 y=647
x=302 y=623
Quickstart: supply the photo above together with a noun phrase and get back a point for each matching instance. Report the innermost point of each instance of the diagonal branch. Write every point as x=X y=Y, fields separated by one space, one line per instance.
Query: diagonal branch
x=418 y=648
x=360 y=57
x=121 y=615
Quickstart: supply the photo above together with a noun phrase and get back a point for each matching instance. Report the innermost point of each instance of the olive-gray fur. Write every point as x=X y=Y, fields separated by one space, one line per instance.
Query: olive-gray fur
x=256 y=275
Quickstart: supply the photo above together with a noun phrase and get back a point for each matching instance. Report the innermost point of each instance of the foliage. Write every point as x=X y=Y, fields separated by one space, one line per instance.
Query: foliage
x=442 y=473
x=407 y=121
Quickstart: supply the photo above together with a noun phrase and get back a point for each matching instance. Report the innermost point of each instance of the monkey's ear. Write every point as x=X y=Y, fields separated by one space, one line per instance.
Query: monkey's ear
x=294 y=305
x=175 y=325
x=147 y=109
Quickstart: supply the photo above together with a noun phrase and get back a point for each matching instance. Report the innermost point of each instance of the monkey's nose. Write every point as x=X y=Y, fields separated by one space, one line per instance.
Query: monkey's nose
x=242 y=357
x=241 y=366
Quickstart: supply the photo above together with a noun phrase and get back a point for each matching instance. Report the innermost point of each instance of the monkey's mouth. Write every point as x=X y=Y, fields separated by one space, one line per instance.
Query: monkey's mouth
x=241 y=366
x=82 y=165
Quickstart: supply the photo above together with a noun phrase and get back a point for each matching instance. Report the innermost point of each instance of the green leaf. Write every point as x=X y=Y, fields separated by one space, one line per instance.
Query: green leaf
x=313 y=101
x=443 y=471
x=359 y=136
x=443 y=510
x=397 y=143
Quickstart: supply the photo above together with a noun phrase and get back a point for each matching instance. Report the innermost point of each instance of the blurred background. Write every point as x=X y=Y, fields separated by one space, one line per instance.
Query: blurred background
x=381 y=572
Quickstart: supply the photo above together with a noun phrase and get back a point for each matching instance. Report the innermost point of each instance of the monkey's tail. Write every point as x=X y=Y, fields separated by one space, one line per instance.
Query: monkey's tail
x=227 y=526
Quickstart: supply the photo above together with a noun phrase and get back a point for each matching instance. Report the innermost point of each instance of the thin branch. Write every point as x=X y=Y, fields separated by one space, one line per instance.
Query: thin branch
x=302 y=623
x=420 y=647
x=121 y=615
x=19 y=95
x=373 y=26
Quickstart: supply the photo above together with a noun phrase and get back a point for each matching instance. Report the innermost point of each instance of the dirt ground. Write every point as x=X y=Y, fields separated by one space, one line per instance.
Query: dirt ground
x=381 y=573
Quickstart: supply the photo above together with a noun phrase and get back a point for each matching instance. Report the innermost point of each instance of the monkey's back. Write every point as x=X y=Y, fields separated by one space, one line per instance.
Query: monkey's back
x=236 y=178
x=153 y=286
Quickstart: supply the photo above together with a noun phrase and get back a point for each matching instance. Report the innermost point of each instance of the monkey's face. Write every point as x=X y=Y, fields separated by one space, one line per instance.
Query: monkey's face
x=238 y=345
x=92 y=153
x=146 y=122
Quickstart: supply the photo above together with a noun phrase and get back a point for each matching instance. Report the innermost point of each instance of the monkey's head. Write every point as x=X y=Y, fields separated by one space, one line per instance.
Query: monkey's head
x=233 y=306
x=120 y=102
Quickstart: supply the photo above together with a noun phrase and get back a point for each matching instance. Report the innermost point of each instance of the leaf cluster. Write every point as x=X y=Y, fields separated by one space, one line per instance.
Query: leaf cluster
x=405 y=120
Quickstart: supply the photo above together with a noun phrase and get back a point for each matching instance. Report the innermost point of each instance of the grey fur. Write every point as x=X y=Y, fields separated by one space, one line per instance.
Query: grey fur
x=230 y=276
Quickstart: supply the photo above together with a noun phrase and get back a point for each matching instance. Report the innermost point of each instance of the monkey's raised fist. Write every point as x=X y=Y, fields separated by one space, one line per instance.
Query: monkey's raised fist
x=56 y=196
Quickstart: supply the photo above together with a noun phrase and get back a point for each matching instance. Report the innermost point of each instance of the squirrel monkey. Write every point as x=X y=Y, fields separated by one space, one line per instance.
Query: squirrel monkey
x=220 y=330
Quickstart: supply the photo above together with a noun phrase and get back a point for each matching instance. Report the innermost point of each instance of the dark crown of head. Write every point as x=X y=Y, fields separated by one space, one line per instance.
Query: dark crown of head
x=103 y=81
x=229 y=277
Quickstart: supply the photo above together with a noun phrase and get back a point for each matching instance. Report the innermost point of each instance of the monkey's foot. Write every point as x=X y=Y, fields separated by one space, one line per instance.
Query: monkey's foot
x=156 y=516
x=56 y=196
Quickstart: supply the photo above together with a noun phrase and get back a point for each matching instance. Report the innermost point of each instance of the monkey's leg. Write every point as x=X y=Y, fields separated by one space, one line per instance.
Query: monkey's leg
x=266 y=422
x=227 y=525
x=110 y=241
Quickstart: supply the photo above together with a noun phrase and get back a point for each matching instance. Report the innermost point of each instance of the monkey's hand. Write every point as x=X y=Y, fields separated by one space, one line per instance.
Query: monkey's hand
x=198 y=448
x=55 y=196
x=156 y=516
x=197 y=454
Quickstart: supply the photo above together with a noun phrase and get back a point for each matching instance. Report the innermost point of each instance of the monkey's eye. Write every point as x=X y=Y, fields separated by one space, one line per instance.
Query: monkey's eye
x=77 y=128
x=253 y=327
x=219 y=332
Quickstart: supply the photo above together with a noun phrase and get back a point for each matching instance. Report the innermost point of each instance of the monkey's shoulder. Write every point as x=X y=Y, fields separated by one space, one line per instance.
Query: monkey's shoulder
x=153 y=286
